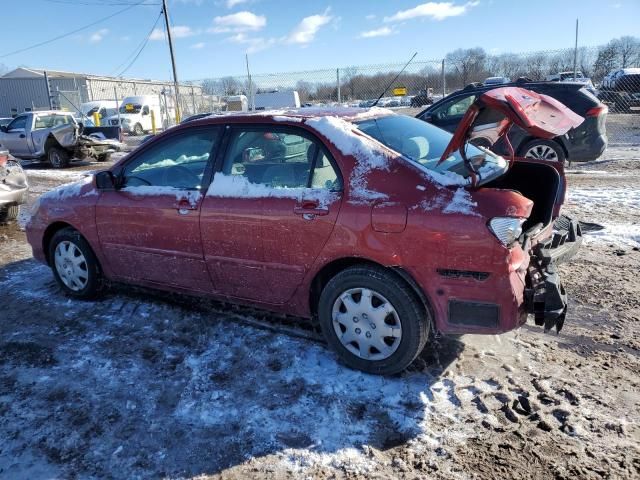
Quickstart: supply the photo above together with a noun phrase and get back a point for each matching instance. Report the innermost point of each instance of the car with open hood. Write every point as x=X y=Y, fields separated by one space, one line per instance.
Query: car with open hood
x=13 y=186
x=382 y=228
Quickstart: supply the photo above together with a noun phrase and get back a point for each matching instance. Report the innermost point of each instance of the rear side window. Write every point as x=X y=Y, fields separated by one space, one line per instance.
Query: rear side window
x=179 y=161
x=51 y=121
x=454 y=108
x=279 y=159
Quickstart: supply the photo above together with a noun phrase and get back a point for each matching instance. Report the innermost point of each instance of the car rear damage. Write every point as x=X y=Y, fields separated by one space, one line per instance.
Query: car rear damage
x=546 y=236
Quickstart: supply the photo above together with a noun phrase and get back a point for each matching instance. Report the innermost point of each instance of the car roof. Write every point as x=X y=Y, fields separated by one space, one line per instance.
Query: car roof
x=349 y=114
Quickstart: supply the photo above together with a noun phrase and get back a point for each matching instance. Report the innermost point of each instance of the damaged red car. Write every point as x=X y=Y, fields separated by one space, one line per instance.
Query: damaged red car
x=379 y=226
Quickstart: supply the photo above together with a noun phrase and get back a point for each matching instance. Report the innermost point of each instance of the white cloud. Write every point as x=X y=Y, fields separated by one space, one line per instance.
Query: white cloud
x=177 y=31
x=433 y=10
x=233 y=3
x=378 y=32
x=99 y=35
x=238 y=22
x=254 y=44
x=305 y=32
x=198 y=46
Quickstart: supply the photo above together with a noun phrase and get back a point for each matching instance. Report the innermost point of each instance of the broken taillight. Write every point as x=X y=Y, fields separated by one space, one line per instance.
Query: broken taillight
x=597 y=111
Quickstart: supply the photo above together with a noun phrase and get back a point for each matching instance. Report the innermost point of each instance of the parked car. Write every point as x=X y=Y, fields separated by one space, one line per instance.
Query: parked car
x=276 y=99
x=581 y=144
x=423 y=98
x=381 y=226
x=13 y=186
x=134 y=116
x=621 y=90
x=56 y=137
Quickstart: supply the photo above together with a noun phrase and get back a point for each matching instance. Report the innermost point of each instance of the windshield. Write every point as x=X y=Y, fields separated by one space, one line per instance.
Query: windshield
x=424 y=144
x=131 y=108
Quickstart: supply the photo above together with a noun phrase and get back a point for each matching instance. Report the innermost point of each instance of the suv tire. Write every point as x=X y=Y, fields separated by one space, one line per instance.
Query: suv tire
x=344 y=316
x=138 y=130
x=542 y=149
x=58 y=157
x=75 y=266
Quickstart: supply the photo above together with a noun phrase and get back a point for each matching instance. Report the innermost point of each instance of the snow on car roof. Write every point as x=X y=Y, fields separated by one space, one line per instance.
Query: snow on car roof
x=346 y=113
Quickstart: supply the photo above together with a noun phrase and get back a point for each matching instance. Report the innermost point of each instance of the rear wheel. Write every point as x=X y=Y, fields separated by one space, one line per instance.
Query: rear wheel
x=541 y=149
x=137 y=129
x=372 y=320
x=75 y=266
x=104 y=157
x=9 y=214
x=58 y=157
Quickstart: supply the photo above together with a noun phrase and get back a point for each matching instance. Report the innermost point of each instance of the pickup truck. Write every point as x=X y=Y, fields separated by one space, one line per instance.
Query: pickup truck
x=57 y=137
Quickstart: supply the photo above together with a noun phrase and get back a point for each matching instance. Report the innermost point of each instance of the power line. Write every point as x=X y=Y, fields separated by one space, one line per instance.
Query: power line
x=100 y=3
x=141 y=48
x=59 y=37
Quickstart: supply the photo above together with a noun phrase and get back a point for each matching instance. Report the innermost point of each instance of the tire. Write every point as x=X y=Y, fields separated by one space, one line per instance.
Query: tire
x=103 y=158
x=408 y=323
x=138 y=130
x=9 y=214
x=83 y=279
x=58 y=157
x=541 y=149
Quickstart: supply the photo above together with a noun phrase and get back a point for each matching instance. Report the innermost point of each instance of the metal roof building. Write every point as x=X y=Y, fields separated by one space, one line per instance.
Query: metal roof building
x=25 y=89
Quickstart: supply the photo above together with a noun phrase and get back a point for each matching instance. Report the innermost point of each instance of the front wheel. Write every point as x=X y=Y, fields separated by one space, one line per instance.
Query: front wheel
x=541 y=149
x=372 y=320
x=9 y=214
x=58 y=157
x=75 y=266
x=138 y=130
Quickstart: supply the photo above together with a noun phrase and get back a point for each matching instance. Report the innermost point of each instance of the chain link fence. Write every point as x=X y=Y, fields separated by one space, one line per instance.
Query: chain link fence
x=612 y=74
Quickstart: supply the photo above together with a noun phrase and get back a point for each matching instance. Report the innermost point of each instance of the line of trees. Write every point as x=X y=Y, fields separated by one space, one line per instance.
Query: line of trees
x=461 y=67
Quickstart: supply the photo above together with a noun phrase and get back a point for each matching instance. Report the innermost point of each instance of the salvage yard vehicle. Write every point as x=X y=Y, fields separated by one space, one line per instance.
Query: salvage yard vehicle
x=583 y=143
x=56 y=137
x=13 y=187
x=621 y=90
x=381 y=227
x=135 y=114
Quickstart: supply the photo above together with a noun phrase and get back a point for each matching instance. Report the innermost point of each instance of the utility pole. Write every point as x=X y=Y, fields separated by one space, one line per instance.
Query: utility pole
x=251 y=105
x=575 y=55
x=173 y=59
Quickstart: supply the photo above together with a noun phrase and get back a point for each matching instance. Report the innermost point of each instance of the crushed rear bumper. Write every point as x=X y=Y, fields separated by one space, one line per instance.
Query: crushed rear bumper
x=545 y=296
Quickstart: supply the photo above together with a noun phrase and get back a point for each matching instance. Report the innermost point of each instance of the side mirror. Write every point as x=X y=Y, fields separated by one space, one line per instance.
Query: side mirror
x=3 y=128
x=105 y=180
x=427 y=117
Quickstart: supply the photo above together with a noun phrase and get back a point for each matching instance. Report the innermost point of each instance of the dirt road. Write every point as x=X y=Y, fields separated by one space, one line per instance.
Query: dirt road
x=140 y=386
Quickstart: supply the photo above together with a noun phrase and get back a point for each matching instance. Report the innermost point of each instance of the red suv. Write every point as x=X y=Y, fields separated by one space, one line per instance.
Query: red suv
x=381 y=226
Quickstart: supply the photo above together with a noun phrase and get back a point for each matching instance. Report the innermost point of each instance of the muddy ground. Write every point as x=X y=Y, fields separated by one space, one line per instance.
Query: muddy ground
x=140 y=386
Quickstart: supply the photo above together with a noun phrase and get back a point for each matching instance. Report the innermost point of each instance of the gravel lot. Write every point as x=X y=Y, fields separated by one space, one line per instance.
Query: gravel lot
x=138 y=385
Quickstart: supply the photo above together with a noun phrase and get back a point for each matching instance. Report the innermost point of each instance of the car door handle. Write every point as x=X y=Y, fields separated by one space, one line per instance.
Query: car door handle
x=307 y=208
x=184 y=206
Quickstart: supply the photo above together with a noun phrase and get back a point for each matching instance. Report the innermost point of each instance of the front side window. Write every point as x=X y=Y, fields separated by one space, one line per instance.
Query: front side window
x=179 y=161
x=279 y=159
x=455 y=108
x=18 y=123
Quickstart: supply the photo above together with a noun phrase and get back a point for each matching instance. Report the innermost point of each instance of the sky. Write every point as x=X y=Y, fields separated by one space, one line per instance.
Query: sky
x=211 y=37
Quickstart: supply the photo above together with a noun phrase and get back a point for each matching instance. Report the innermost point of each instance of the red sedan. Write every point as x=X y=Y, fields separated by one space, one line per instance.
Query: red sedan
x=383 y=227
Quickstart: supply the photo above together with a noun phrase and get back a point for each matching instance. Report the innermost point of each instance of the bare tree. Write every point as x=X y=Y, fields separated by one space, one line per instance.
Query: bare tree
x=469 y=63
x=628 y=50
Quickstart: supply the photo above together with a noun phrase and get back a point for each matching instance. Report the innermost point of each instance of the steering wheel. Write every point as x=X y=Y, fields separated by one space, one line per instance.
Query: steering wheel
x=180 y=176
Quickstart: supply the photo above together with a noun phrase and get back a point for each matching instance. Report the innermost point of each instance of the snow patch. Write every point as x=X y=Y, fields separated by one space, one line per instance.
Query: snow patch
x=461 y=203
x=147 y=190
x=70 y=190
x=625 y=234
x=238 y=186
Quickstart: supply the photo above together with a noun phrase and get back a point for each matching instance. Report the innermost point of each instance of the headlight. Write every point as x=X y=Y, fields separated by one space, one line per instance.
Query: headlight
x=506 y=229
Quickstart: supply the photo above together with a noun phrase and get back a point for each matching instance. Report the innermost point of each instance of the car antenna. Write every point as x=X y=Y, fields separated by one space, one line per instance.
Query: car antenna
x=394 y=79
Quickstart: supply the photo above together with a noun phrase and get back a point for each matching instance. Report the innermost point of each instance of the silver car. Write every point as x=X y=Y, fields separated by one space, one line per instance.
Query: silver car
x=13 y=187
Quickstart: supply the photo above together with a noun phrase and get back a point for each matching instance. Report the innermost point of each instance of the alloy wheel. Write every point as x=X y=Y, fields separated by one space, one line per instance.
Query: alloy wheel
x=542 y=152
x=71 y=265
x=366 y=324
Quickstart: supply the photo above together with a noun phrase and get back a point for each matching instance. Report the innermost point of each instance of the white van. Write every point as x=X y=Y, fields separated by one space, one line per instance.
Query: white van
x=135 y=114
x=278 y=99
